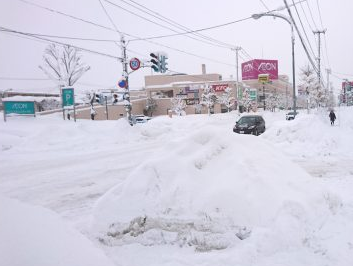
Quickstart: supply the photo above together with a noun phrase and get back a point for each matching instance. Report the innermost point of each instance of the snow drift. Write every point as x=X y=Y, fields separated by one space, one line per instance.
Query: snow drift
x=207 y=191
x=34 y=236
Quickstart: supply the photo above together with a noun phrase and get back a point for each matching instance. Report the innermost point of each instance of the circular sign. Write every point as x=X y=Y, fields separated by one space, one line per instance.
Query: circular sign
x=122 y=83
x=135 y=63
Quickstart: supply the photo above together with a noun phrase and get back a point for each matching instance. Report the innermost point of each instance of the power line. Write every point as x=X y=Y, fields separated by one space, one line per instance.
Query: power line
x=343 y=74
x=173 y=23
x=306 y=17
x=110 y=19
x=161 y=25
x=60 y=43
x=301 y=39
x=325 y=42
x=72 y=38
x=24 y=79
x=264 y=5
x=70 y=16
x=107 y=28
x=311 y=14
x=193 y=31
x=318 y=8
x=301 y=23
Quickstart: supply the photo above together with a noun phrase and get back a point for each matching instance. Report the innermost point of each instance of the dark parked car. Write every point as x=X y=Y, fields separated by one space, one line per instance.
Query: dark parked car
x=250 y=124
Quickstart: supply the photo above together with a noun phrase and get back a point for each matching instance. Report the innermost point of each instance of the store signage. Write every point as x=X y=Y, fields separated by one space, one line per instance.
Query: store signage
x=19 y=108
x=219 y=87
x=252 y=69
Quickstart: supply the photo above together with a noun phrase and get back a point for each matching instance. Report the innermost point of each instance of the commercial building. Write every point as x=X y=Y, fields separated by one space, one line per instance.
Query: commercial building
x=163 y=88
x=346 y=95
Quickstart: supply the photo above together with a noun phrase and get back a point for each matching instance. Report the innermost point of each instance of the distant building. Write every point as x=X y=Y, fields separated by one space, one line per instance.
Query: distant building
x=346 y=95
x=163 y=88
x=278 y=84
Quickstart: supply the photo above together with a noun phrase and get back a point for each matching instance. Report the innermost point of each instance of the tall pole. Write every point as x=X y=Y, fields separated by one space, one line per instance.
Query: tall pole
x=126 y=77
x=290 y=21
x=236 y=49
x=237 y=58
x=263 y=95
x=328 y=71
x=293 y=72
x=319 y=32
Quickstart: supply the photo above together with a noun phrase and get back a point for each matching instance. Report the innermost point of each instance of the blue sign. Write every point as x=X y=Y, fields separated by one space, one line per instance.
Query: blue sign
x=19 y=108
x=122 y=83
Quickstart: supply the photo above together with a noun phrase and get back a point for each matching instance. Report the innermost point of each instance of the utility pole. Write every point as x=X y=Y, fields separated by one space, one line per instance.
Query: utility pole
x=328 y=71
x=128 y=106
x=319 y=32
x=237 y=49
x=263 y=94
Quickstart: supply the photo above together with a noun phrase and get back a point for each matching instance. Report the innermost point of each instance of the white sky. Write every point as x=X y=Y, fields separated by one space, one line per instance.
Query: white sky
x=265 y=38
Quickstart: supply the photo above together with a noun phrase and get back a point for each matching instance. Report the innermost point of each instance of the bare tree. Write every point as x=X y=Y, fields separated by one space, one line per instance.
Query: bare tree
x=63 y=64
x=178 y=106
x=227 y=98
x=151 y=105
x=208 y=98
x=316 y=95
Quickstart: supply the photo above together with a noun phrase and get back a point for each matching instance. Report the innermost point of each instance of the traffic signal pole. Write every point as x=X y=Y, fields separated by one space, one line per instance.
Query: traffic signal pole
x=128 y=106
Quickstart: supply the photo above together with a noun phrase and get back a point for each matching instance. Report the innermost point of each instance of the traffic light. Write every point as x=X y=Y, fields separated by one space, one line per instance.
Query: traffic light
x=98 y=98
x=163 y=63
x=156 y=64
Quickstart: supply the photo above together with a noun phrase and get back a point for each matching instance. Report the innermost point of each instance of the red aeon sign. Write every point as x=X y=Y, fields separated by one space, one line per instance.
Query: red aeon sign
x=252 y=69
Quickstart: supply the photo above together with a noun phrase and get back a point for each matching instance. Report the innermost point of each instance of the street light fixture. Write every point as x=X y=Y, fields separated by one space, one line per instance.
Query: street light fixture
x=257 y=16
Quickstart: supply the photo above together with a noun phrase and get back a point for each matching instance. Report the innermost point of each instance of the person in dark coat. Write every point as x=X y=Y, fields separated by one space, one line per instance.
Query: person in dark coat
x=332 y=117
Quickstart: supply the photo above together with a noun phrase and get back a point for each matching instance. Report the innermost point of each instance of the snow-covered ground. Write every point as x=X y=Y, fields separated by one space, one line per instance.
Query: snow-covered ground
x=177 y=191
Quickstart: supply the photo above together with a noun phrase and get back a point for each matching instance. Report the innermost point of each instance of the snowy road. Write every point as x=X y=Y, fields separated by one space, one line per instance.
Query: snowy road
x=67 y=167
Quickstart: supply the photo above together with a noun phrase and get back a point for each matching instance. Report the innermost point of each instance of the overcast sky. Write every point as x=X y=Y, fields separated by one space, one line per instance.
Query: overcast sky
x=266 y=38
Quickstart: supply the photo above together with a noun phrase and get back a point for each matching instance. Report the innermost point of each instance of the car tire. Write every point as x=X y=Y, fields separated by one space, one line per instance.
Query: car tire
x=255 y=132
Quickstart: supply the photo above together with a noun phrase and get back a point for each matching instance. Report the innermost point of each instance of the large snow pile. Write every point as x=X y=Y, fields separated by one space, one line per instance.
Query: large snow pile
x=311 y=135
x=34 y=236
x=209 y=189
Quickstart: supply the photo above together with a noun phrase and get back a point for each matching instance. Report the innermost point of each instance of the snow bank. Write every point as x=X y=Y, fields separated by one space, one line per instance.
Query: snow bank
x=311 y=135
x=34 y=236
x=208 y=189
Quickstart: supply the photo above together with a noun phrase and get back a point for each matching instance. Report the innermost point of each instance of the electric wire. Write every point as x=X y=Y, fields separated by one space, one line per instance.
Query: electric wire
x=70 y=16
x=306 y=17
x=111 y=29
x=301 y=23
x=311 y=14
x=263 y=3
x=173 y=23
x=161 y=25
x=318 y=8
x=60 y=43
x=301 y=39
x=24 y=79
x=110 y=19
x=72 y=38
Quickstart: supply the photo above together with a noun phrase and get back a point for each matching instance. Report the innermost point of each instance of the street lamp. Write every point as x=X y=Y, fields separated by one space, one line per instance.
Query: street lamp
x=257 y=16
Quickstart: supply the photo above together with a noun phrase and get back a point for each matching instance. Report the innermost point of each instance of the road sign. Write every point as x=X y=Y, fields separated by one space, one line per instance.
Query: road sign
x=135 y=63
x=264 y=78
x=68 y=101
x=19 y=107
x=253 y=94
x=67 y=97
x=122 y=83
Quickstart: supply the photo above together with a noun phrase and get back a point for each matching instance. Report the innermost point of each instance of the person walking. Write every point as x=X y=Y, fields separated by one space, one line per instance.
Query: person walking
x=332 y=117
